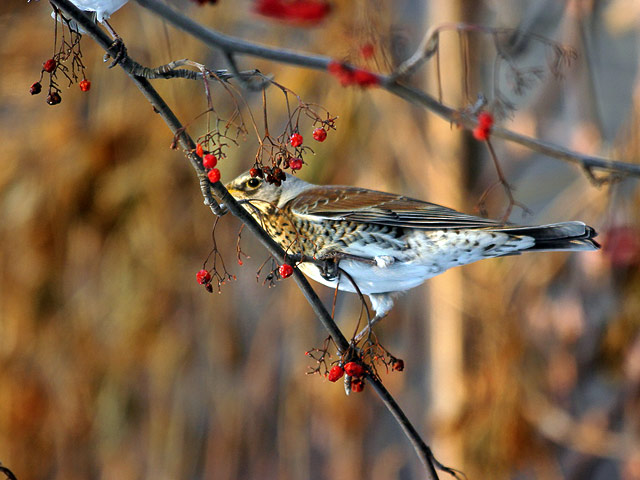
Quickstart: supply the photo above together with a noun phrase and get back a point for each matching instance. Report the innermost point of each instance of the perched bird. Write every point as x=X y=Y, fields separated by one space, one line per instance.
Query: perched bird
x=102 y=8
x=387 y=243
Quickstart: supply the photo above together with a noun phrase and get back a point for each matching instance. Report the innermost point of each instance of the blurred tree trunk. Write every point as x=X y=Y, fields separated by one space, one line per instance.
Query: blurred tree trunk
x=445 y=184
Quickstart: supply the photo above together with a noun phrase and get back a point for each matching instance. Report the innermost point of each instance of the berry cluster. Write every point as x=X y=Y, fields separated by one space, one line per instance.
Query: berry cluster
x=483 y=130
x=274 y=175
x=204 y=278
x=209 y=161
x=354 y=370
x=67 y=61
x=285 y=159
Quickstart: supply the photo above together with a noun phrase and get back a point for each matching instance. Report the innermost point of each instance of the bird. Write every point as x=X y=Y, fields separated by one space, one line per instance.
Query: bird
x=384 y=243
x=103 y=8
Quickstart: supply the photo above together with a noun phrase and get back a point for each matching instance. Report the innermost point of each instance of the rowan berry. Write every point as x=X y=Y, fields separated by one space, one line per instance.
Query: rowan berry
x=335 y=373
x=35 y=89
x=485 y=119
x=320 y=134
x=398 y=365
x=354 y=369
x=255 y=172
x=199 y=150
x=54 y=98
x=49 y=66
x=209 y=160
x=203 y=277
x=367 y=50
x=279 y=174
x=214 y=175
x=481 y=133
x=84 y=85
x=295 y=163
x=295 y=140
x=285 y=270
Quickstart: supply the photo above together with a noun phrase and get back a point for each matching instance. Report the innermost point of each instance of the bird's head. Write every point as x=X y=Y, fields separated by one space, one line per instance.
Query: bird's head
x=262 y=195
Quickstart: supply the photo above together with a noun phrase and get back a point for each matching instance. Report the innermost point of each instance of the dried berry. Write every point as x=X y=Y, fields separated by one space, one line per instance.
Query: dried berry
x=357 y=385
x=54 y=98
x=398 y=365
x=49 y=66
x=35 y=89
x=278 y=174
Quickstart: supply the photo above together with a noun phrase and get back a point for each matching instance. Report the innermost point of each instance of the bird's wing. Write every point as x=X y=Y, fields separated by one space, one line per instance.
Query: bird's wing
x=369 y=206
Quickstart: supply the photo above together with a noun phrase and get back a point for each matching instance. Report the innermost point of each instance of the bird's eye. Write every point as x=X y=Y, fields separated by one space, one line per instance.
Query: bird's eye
x=253 y=182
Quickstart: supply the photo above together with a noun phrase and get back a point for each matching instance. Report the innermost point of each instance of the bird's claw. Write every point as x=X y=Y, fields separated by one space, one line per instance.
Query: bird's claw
x=117 y=51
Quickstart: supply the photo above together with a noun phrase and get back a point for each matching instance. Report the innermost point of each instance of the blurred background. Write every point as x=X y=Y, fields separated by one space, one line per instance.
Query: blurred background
x=115 y=363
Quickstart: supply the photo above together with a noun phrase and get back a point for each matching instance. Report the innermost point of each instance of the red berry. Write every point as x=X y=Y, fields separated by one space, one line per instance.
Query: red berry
x=203 y=277
x=35 y=89
x=296 y=140
x=209 y=160
x=398 y=365
x=214 y=175
x=54 y=98
x=481 y=133
x=295 y=163
x=485 y=119
x=254 y=172
x=84 y=85
x=285 y=270
x=354 y=369
x=367 y=50
x=357 y=385
x=335 y=373
x=199 y=150
x=365 y=78
x=320 y=134
x=49 y=66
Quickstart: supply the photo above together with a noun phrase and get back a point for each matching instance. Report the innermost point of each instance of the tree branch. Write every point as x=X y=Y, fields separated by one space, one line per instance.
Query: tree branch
x=188 y=145
x=415 y=96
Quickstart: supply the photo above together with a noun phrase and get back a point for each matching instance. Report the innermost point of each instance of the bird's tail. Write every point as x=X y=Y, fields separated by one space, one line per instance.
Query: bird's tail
x=558 y=236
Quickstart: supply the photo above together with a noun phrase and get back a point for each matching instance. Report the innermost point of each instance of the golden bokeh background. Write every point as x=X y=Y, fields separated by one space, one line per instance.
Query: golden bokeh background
x=115 y=363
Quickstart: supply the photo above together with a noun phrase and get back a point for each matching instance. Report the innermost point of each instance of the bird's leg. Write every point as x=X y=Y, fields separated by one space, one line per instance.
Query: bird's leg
x=117 y=46
x=365 y=331
x=382 y=304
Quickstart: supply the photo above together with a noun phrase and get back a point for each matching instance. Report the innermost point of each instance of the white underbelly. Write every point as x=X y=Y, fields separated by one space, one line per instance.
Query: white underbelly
x=374 y=279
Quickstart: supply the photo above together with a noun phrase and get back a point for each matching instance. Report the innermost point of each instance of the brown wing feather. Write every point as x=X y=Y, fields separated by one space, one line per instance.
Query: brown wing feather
x=369 y=206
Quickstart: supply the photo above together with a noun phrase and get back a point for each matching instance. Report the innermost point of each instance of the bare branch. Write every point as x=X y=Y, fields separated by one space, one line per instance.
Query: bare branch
x=389 y=83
